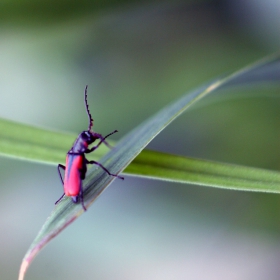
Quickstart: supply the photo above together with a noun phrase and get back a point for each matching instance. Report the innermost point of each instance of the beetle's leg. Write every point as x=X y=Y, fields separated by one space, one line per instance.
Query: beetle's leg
x=82 y=199
x=60 y=198
x=75 y=199
x=58 y=169
x=105 y=169
x=102 y=140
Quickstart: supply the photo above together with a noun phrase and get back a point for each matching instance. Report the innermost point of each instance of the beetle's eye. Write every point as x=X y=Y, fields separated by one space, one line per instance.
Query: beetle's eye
x=86 y=135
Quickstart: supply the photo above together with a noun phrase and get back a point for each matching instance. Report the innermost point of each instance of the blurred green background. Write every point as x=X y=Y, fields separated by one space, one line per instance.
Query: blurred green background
x=136 y=57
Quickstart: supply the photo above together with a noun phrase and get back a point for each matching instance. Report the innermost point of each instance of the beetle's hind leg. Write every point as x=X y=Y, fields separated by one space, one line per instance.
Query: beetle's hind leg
x=105 y=169
x=60 y=198
x=58 y=169
x=76 y=199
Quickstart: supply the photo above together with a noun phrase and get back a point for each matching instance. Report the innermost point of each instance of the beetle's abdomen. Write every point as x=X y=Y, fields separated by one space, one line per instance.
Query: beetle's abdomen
x=72 y=177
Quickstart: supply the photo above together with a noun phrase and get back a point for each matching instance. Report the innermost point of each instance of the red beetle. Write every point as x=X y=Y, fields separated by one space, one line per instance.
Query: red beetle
x=76 y=162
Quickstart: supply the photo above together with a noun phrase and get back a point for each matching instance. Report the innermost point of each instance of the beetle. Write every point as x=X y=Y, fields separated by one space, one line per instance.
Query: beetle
x=75 y=168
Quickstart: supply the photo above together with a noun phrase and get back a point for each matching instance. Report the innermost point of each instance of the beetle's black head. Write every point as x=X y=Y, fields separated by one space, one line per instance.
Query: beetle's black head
x=89 y=136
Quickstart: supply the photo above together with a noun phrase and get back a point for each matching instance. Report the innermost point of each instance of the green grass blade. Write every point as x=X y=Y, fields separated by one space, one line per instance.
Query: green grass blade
x=130 y=146
x=49 y=147
x=31 y=143
x=156 y=165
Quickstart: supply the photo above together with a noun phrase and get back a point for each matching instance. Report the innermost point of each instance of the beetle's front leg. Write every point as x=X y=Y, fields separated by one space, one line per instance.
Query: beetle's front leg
x=87 y=151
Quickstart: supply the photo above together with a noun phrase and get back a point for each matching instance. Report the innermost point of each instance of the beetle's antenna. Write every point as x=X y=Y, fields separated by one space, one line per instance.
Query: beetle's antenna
x=90 y=120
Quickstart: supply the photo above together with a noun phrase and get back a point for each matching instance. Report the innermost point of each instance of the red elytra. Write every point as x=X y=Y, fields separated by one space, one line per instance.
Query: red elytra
x=76 y=162
x=72 y=177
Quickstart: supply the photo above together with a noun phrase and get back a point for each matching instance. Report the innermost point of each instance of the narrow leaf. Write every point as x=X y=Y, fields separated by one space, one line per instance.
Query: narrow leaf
x=130 y=146
x=36 y=144
x=155 y=165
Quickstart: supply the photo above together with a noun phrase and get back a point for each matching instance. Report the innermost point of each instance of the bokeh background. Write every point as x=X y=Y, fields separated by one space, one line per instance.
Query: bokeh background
x=136 y=57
